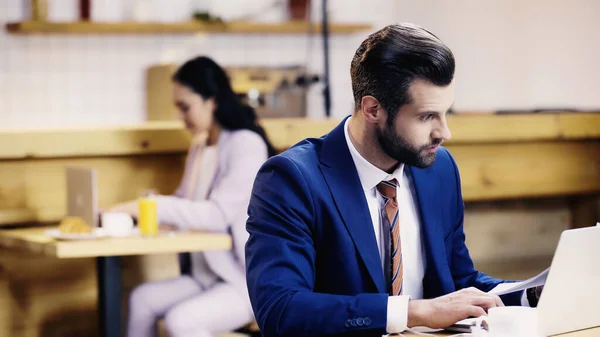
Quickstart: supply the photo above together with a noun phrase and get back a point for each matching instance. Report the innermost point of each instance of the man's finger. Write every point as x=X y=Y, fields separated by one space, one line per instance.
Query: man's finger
x=499 y=302
x=486 y=302
x=475 y=311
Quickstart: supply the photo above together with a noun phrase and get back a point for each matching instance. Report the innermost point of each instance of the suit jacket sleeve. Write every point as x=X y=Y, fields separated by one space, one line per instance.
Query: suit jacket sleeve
x=280 y=263
x=463 y=271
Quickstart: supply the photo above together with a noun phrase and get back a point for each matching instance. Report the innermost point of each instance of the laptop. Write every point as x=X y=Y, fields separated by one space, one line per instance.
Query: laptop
x=571 y=295
x=82 y=194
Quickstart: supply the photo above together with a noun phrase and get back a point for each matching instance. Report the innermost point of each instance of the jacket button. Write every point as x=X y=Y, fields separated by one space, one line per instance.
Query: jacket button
x=367 y=321
x=360 y=321
x=348 y=323
x=354 y=323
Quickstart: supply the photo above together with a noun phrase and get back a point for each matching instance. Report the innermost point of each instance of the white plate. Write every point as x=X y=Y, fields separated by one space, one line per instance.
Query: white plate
x=58 y=235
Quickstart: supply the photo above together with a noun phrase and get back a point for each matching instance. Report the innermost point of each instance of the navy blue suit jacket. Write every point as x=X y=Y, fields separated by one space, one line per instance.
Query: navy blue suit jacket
x=312 y=262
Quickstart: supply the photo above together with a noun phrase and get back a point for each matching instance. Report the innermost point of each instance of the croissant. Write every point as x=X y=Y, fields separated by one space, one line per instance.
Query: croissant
x=74 y=225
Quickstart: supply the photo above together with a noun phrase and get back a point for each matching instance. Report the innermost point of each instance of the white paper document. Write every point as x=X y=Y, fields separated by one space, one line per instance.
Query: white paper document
x=507 y=288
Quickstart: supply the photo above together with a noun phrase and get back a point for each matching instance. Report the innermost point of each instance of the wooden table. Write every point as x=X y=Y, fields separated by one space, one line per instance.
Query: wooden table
x=593 y=332
x=107 y=252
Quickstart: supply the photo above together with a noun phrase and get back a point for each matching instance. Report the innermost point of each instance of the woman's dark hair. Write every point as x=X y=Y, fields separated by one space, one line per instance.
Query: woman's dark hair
x=206 y=78
x=387 y=62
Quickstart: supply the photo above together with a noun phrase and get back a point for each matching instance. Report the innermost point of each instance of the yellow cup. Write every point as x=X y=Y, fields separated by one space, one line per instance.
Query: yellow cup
x=147 y=219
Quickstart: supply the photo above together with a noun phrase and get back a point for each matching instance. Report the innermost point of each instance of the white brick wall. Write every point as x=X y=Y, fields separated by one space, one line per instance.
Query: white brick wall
x=48 y=81
x=510 y=54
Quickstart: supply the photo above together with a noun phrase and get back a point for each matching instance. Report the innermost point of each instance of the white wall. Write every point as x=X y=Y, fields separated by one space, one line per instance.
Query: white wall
x=510 y=54
x=49 y=81
x=518 y=54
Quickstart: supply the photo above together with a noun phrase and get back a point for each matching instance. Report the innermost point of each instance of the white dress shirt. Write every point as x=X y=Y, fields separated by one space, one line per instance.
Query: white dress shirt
x=410 y=232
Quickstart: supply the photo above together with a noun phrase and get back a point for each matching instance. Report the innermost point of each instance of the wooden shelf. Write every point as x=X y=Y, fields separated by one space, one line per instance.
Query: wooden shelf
x=162 y=137
x=292 y=27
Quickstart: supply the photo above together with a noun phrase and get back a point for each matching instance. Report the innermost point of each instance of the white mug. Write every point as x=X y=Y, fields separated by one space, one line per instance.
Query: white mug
x=117 y=224
x=511 y=321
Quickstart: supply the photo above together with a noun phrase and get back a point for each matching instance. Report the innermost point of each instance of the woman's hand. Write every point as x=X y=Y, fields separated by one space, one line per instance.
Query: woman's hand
x=168 y=228
x=131 y=208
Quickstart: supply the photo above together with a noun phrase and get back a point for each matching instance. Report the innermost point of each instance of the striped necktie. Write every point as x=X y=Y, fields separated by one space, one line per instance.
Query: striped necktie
x=388 y=191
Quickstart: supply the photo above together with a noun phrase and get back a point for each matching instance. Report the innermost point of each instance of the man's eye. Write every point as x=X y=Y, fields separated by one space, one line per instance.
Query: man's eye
x=426 y=117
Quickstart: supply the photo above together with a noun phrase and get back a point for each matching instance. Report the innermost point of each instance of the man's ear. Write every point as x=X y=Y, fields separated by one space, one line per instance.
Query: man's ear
x=371 y=109
x=213 y=103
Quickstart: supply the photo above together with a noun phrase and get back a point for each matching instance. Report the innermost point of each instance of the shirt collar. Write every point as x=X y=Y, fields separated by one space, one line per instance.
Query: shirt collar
x=369 y=174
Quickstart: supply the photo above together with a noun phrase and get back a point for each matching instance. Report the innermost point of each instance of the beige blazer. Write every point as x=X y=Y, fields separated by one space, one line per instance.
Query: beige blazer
x=239 y=155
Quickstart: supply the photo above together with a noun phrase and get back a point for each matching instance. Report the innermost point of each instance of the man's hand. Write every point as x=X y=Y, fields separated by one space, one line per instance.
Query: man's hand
x=441 y=312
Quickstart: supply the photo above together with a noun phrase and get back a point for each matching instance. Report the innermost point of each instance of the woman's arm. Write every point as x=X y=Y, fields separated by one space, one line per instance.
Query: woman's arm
x=245 y=155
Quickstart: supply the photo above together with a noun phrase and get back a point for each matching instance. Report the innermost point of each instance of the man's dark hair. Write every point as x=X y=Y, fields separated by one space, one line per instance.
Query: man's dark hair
x=389 y=60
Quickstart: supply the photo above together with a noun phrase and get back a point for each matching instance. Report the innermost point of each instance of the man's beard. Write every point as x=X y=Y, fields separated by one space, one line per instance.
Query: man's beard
x=399 y=149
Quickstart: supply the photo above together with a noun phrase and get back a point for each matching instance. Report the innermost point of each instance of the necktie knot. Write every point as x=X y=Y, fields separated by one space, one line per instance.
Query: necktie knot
x=387 y=188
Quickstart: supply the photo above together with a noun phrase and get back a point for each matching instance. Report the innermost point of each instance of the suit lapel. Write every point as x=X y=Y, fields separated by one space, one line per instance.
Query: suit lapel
x=342 y=179
x=425 y=183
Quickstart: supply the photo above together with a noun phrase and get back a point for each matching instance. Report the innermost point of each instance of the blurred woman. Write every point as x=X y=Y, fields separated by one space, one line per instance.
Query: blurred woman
x=227 y=150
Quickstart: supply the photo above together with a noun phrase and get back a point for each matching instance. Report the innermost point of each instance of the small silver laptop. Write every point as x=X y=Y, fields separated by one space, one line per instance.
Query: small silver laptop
x=570 y=300
x=82 y=194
